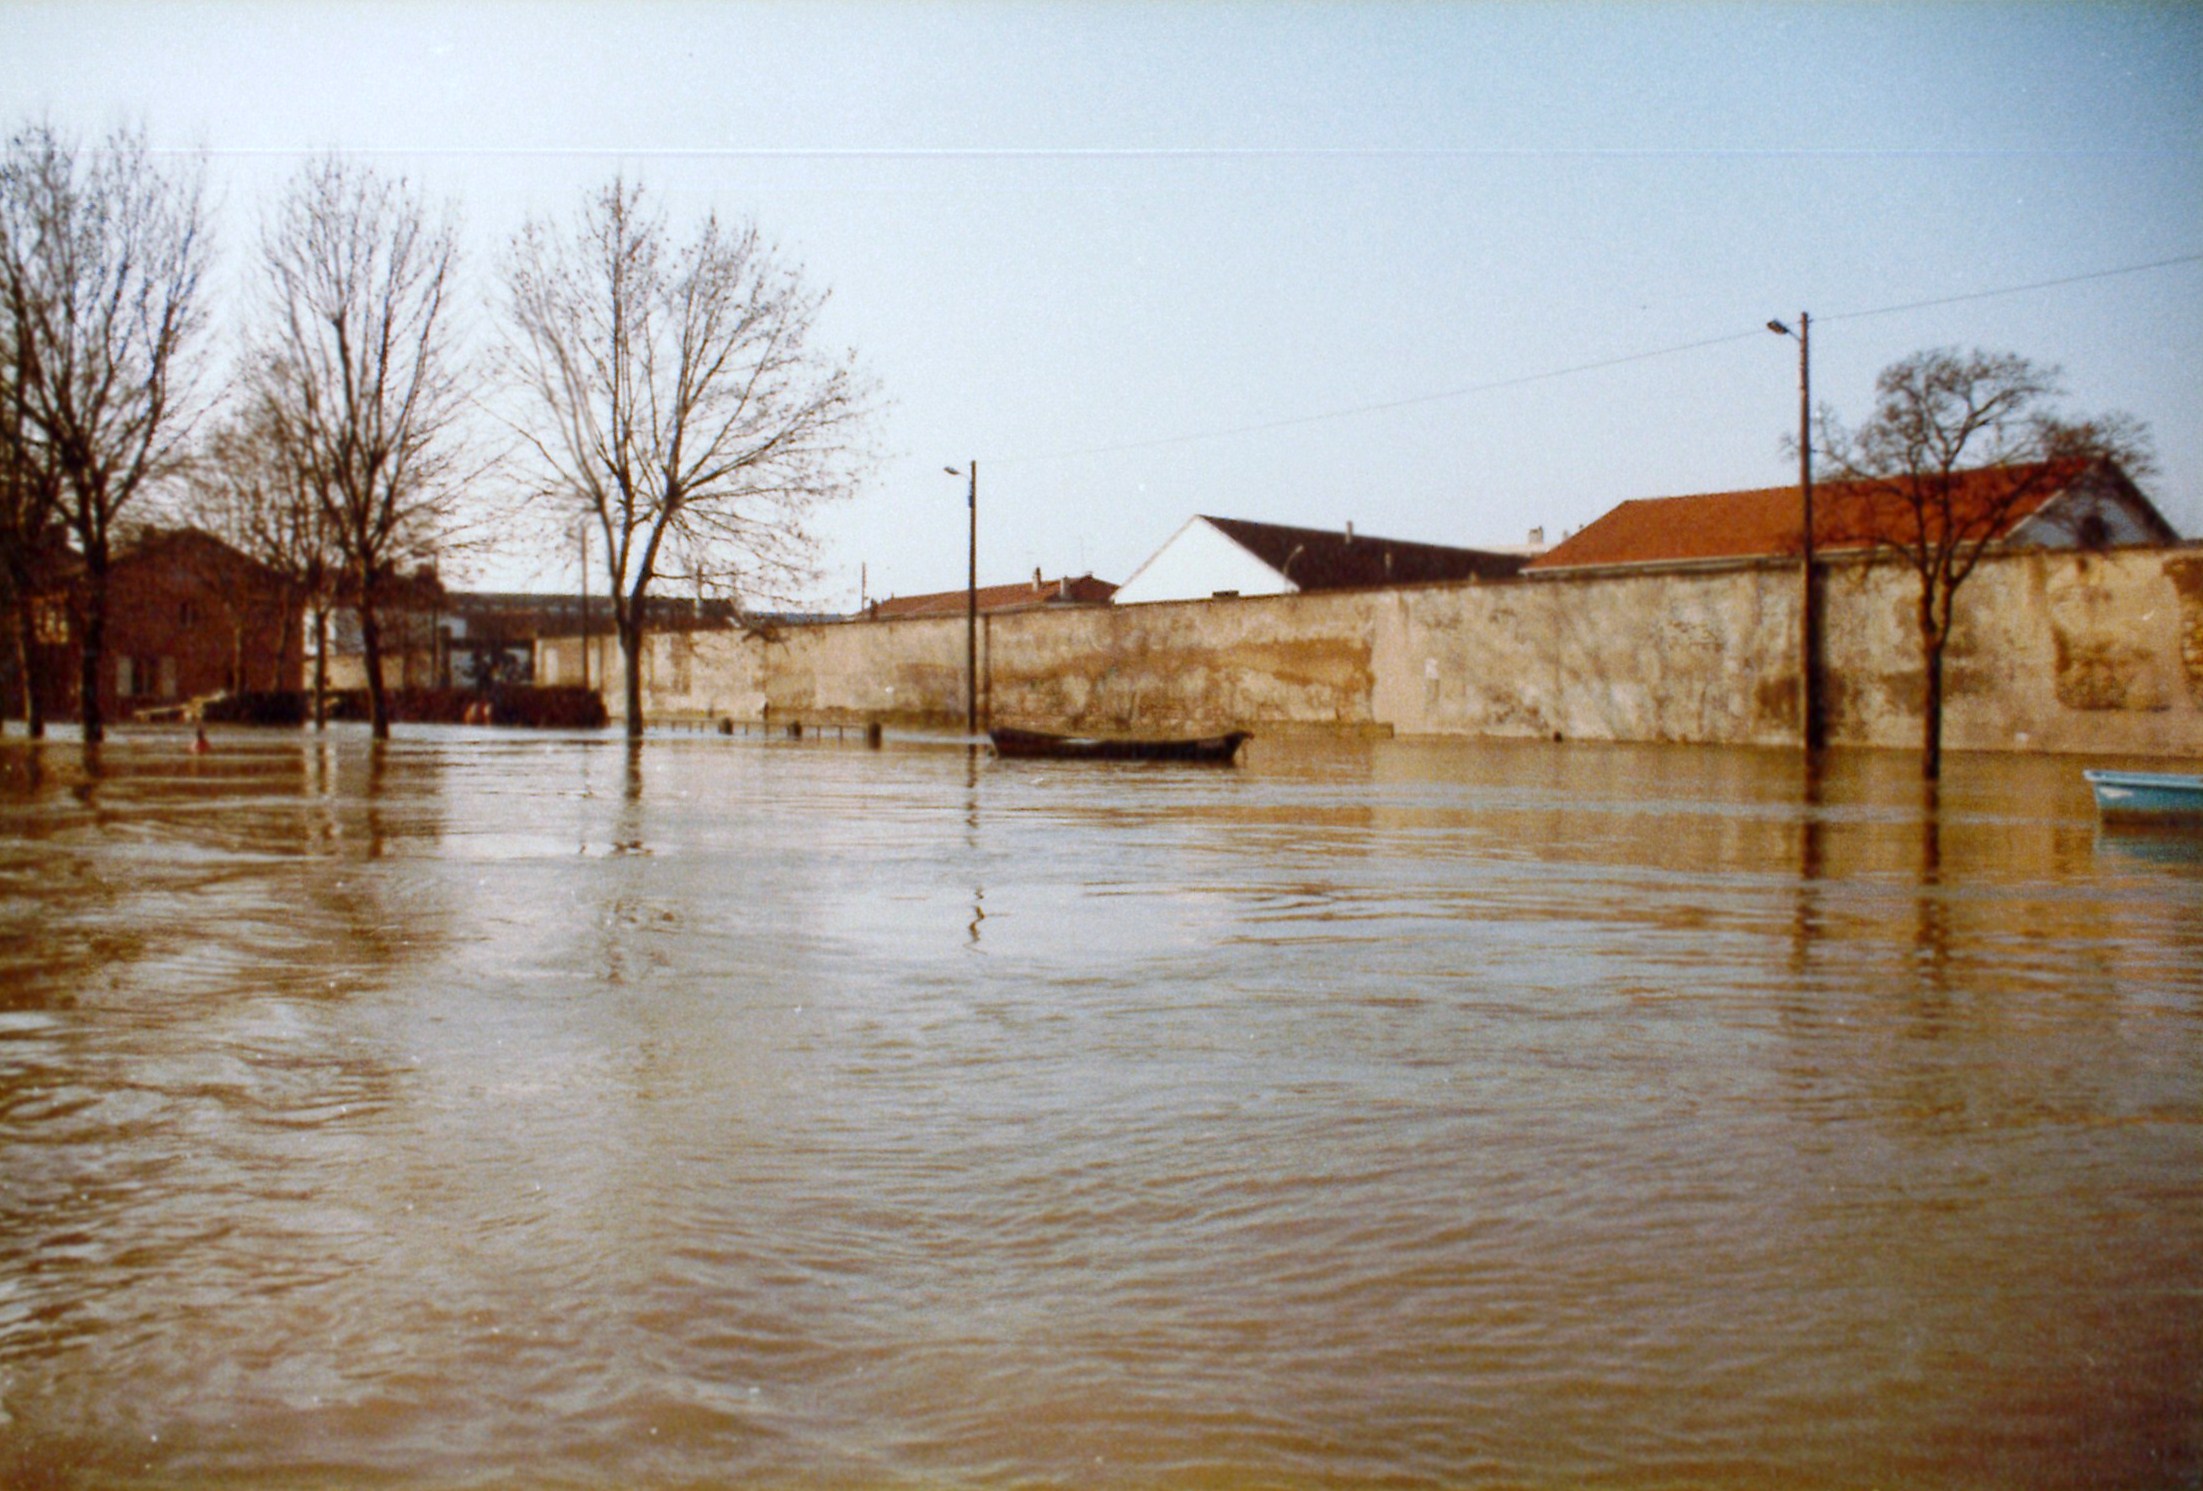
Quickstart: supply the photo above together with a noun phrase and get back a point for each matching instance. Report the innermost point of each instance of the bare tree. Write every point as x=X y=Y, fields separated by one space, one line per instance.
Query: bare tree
x=253 y=487
x=1960 y=448
x=362 y=372
x=30 y=517
x=676 y=396
x=101 y=258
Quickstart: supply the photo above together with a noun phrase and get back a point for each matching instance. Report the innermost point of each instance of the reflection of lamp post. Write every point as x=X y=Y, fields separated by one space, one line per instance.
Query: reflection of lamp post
x=971 y=608
x=1812 y=728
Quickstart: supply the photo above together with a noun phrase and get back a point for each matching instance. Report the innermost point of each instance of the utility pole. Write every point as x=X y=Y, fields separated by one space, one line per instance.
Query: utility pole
x=971 y=606
x=971 y=615
x=1813 y=729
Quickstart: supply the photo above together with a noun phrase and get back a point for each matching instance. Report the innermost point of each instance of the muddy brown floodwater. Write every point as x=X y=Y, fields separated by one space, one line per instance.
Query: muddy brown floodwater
x=493 y=1109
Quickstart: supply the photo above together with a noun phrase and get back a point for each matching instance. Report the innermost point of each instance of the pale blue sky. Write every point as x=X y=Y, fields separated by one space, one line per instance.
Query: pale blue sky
x=1056 y=228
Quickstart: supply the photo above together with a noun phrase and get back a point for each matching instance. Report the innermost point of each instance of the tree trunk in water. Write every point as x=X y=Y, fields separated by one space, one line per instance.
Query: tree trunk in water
x=321 y=668
x=28 y=670
x=283 y=627
x=631 y=649
x=378 y=709
x=94 y=649
x=1931 y=704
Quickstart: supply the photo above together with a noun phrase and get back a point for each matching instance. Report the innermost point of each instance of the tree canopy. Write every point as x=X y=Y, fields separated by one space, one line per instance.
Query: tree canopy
x=678 y=399
x=1960 y=446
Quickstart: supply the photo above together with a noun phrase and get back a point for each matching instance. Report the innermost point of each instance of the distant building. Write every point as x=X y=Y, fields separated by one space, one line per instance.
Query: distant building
x=1038 y=594
x=187 y=617
x=1211 y=557
x=437 y=638
x=556 y=627
x=2091 y=505
x=408 y=609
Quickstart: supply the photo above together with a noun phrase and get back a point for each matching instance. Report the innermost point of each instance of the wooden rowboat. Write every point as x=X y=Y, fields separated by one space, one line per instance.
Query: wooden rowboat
x=1212 y=750
x=2148 y=796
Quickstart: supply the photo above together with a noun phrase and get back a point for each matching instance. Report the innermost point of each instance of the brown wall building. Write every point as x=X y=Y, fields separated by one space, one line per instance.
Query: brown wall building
x=187 y=616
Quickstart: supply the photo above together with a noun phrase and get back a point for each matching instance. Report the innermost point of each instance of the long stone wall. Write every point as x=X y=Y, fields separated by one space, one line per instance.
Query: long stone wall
x=2053 y=651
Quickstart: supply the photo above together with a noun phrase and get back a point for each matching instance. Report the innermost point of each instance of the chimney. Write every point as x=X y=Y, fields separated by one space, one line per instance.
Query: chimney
x=1036 y=579
x=1063 y=588
x=1537 y=537
x=1350 y=533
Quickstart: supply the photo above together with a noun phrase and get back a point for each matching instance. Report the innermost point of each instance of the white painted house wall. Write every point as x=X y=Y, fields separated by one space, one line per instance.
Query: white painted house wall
x=1198 y=562
x=2059 y=523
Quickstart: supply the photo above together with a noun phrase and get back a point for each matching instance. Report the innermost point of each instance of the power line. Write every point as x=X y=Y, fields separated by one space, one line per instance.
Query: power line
x=2070 y=279
x=1062 y=153
x=1409 y=402
x=1582 y=367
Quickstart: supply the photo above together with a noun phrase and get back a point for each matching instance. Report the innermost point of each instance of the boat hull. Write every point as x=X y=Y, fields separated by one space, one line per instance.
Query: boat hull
x=2148 y=796
x=1206 y=750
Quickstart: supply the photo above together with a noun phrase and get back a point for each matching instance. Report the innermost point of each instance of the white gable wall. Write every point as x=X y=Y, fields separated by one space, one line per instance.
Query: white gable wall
x=1198 y=562
x=2062 y=522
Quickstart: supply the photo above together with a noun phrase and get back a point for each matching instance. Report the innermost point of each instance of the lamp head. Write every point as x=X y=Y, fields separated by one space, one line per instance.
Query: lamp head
x=1778 y=328
x=953 y=470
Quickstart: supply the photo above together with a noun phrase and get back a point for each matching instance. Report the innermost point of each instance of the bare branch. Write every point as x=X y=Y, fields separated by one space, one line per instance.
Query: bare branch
x=102 y=256
x=360 y=369
x=1960 y=448
x=678 y=401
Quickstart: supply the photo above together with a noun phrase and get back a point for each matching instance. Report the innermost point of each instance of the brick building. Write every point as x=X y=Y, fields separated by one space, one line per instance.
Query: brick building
x=187 y=616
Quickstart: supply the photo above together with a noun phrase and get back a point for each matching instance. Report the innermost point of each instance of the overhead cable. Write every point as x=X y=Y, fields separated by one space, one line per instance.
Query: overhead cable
x=1581 y=367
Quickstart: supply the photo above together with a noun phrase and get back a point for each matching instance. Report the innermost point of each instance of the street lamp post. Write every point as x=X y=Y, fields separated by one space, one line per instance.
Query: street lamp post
x=1813 y=730
x=971 y=606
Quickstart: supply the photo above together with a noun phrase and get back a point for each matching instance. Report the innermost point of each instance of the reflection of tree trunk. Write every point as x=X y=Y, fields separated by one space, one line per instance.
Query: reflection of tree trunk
x=28 y=669
x=1931 y=938
x=375 y=764
x=1931 y=834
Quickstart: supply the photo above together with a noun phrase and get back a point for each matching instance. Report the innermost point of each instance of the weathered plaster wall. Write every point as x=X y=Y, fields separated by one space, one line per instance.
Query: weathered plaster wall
x=1690 y=656
x=2053 y=651
x=686 y=675
x=1195 y=665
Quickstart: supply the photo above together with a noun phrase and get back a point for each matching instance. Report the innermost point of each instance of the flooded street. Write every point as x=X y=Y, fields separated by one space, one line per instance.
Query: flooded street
x=505 y=1109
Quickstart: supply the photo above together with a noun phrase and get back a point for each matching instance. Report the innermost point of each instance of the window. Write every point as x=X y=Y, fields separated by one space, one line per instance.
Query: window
x=125 y=679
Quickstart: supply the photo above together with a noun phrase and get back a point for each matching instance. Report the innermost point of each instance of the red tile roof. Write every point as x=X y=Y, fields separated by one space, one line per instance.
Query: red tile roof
x=1764 y=522
x=1075 y=590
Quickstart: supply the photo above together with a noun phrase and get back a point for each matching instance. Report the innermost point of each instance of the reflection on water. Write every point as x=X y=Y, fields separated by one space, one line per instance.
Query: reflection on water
x=482 y=1106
